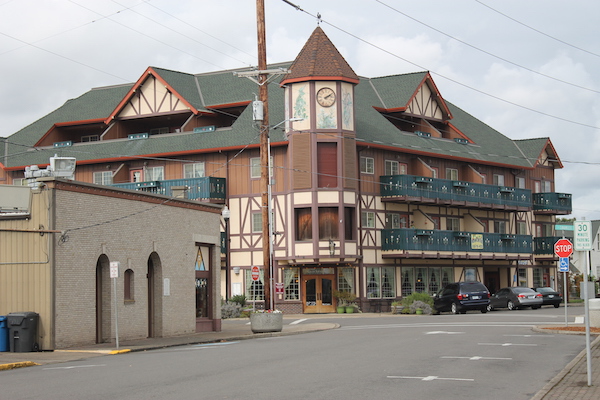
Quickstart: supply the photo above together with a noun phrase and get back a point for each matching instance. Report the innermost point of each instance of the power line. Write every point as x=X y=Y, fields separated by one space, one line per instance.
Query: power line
x=538 y=31
x=485 y=51
x=449 y=78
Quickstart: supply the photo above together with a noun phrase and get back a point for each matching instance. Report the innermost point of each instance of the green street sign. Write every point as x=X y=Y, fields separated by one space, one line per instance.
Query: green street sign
x=563 y=227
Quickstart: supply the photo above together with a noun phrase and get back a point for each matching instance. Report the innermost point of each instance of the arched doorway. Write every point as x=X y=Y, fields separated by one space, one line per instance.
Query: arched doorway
x=154 y=296
x=103 y=300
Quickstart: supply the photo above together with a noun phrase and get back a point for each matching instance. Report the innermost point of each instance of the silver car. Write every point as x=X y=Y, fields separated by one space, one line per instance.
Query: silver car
x=515 y=297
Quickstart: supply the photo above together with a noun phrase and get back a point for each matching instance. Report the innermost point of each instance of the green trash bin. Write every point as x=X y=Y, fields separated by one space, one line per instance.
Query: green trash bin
x=22 y=332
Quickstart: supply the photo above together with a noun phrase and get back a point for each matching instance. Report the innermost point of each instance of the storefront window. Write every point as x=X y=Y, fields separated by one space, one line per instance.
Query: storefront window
x=292 y=288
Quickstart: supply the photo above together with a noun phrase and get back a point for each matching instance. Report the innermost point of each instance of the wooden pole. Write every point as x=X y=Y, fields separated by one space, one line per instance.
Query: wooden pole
x=264 y=148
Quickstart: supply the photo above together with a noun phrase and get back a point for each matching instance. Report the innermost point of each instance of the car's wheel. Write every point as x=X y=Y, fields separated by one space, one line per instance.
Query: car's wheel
x=511 y=305
x=454 y=308
x=489 y=307
x=484 y=310
x=556 y=305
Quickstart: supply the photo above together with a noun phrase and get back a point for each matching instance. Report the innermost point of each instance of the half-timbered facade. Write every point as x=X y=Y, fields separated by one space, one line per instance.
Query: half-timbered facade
x=379 y=186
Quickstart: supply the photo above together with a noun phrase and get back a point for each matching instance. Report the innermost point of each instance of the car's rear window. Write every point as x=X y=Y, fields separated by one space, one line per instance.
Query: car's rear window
x=522 y=290
x=544 y=289
x=470 y=287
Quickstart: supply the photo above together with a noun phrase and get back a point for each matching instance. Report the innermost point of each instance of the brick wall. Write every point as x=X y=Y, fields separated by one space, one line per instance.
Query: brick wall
x=100 y=228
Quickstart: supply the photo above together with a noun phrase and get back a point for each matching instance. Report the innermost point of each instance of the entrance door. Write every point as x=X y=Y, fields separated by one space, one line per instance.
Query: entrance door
x=318 y=294
x=492 y=281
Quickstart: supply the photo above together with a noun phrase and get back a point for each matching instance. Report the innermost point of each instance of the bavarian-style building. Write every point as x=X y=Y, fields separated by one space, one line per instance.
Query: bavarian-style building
x=380 y=186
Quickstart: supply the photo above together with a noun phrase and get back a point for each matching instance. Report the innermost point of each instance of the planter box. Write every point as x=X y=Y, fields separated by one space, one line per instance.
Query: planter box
x=266 y=322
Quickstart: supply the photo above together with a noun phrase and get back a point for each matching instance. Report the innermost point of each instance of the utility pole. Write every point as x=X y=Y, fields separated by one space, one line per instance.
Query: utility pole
x=263 y=96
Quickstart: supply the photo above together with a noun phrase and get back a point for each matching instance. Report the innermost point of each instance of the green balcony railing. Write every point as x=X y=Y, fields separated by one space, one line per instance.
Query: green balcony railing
x=458 y=191
x=206 y=188
x=454 y=241
x=545 y=244
x=554 y=203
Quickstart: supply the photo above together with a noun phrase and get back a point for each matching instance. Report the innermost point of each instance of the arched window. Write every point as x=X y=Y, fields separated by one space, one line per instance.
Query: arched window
x=128 y=285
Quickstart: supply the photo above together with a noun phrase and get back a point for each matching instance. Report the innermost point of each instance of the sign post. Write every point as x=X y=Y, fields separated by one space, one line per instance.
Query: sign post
x=255 y=276
x=583 y=242
x=114 y=274
x=563 y=248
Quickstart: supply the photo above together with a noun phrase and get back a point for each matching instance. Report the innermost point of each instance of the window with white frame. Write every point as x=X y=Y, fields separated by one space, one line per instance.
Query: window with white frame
x=103 y=178
x=19 y=182
x=345 y=281
x=521 y=228
x=452 y=174
x=255 y=290
x=368 y=219
x=500 y=226
x=391 y=167
x=195 y=170
x=452 y=224
x=381 y=282
x=255 y=167
x=367 y=165
x=155 y=173
x=257 y=222
x=520 y=182
x=546 y=187
x=498 y=180
x=395 y=221
x=291 y=277
x=90 y=138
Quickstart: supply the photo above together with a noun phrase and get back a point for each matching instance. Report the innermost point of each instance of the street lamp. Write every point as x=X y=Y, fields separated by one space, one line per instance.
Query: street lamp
x=226 y=213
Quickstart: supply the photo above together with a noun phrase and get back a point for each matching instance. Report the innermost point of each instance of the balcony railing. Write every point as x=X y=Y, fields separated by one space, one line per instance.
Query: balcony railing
x=454 y=241
x=206 y=188
x=552 y=203
x=426 y=189
x=544 y=245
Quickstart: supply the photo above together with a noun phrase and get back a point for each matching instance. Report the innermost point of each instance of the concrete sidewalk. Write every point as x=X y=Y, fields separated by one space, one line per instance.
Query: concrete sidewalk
x=570 y=383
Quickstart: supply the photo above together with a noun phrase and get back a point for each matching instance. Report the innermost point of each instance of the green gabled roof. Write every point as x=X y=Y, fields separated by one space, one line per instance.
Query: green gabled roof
x=223 y=87
x=489 y=146
x=184 y=84
x=396 y=90
x=532 y=148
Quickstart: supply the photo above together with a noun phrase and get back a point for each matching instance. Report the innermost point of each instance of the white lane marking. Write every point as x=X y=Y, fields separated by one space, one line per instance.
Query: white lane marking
x=506 y=344
x=477 y=358
x=78 y=366
x=430 y=378
x=442 y=333
x=298 y=321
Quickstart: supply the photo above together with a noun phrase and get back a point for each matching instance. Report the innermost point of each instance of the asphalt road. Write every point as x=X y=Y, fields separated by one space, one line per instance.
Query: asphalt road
x=472 y=356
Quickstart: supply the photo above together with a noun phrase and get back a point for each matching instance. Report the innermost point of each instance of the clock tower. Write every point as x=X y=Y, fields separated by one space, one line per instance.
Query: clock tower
x=320 y=90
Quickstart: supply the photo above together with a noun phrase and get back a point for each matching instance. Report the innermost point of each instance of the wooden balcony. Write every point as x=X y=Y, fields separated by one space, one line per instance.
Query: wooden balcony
x=453 y=244
x=424 y=190
x=552 y=203
x=204 y=189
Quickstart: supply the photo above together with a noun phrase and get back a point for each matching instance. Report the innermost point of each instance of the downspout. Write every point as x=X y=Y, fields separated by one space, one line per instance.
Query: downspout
x=52 y=240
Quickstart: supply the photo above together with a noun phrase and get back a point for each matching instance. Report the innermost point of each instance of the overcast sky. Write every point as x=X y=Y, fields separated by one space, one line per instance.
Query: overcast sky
x=527 y=68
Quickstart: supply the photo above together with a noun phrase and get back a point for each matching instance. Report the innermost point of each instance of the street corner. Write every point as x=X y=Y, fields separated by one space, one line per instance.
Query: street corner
x=22 y=364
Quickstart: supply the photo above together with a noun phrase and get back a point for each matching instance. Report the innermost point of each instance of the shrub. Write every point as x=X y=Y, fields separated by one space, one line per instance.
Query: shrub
x=424 y=297
x=422 y=305
x=231 y=309
x=239 y=298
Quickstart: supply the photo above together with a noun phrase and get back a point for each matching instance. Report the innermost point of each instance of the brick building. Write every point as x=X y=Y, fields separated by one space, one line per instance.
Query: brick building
x=56 y=245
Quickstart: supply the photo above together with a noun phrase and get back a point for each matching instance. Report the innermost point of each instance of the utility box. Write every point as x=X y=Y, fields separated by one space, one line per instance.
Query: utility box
x=22 y=332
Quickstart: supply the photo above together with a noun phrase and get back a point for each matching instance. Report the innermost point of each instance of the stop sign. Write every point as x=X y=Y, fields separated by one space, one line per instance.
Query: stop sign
x=563 y=248
x=255 y=273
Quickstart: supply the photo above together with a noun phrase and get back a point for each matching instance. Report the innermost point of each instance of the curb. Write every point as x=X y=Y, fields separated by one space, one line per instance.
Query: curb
x=22 y=364
x=561 y=375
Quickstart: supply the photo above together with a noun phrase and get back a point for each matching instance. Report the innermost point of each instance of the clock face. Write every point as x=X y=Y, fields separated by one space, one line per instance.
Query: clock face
x=326 y=97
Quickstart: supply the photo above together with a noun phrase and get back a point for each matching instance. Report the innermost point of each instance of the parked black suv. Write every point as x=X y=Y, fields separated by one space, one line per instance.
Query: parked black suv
x=459 y=297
